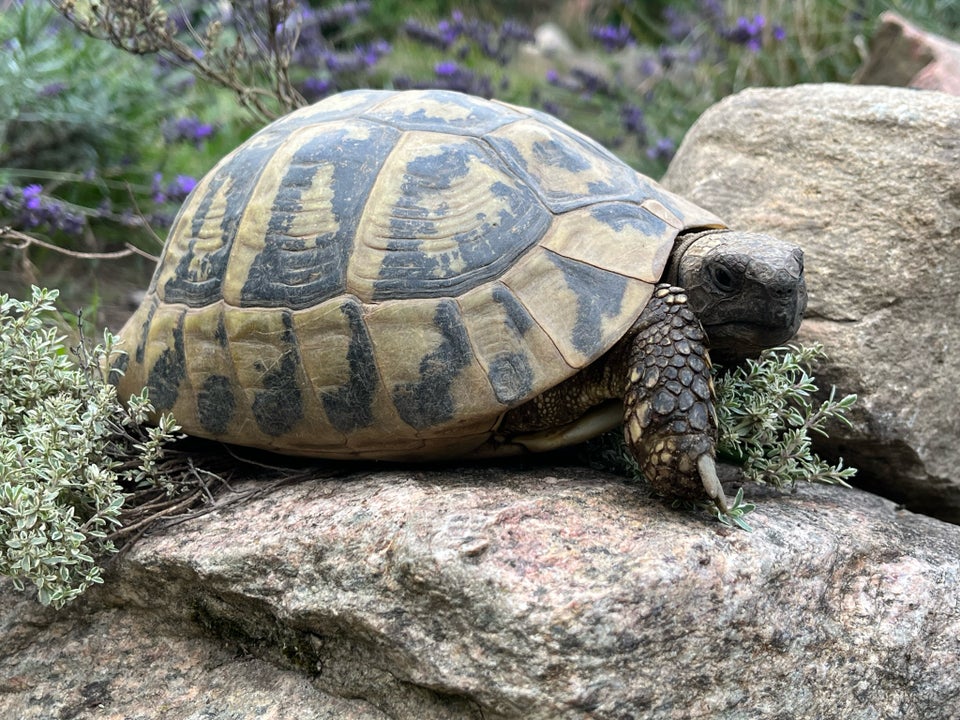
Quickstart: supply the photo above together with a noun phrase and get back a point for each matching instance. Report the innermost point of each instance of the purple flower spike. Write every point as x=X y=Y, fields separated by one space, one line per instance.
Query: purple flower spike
x=189 y=128
x=663 y=150
x=612 y=38
x=749 y=32
x=315 y=88
x=31 y=197
x=183 y=185
x=446 y=68
x=31 y=210
x=156 y=188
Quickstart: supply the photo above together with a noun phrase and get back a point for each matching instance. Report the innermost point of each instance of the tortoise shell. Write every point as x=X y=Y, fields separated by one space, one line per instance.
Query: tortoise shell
x=385 y=274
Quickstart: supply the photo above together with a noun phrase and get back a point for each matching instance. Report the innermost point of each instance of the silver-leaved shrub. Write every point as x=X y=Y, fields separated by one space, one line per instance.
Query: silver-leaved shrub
x=69 y=451
x=766 y=415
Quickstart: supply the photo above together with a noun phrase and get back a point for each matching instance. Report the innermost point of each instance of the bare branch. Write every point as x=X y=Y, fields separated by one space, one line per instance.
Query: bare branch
x=22 y=241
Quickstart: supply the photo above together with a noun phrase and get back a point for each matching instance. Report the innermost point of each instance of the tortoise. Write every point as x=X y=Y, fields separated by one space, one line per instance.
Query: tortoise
x=422 y=275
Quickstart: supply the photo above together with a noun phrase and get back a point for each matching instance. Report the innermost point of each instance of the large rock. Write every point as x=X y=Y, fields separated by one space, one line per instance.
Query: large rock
x=93 y=662
x=867 y=181
x=904 y=55
x=474 y=594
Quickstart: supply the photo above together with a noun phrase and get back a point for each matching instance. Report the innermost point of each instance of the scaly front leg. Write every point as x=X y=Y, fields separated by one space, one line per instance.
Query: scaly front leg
x=669 y=421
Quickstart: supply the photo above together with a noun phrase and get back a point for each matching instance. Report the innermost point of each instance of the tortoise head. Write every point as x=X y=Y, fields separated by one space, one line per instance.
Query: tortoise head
x=747 y=288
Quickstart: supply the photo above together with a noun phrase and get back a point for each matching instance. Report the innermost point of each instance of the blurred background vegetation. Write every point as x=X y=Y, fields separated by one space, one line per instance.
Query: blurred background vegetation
x=107 y=118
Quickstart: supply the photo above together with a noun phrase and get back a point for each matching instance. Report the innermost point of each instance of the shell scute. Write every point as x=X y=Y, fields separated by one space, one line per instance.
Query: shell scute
x=449 y=217
x=264 y=354
x=298 y=232
x=350 y=405
x=195 y=267
x=213 y=380
x=515 y=352
x=566 y=171
x=436 y=385
x=165 y=355
x=442 y=112
x=587 y=308
x=342 y=106
x=640 y=242
x=278 y=401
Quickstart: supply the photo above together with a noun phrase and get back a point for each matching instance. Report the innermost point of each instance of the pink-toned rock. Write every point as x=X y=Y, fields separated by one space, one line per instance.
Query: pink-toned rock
x=903 y=55
x=91 y=662
x=481 y=593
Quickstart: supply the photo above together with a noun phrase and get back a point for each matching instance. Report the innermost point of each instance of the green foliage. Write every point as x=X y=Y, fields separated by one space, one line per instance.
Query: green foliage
x=735 y=514
x=59 y=109
x=67 y=124
x=68 y=451
x=766 y=413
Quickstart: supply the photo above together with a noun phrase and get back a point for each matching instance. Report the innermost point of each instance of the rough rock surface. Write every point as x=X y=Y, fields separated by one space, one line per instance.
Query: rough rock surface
x=93 y=662
x=867 y=181
x=903 y=55
x=477 y=593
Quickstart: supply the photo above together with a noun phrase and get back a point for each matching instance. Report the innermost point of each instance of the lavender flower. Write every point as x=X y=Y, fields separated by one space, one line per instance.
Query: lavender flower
x=450 y=76
x=175 y=191
x=449 y=32
x=565 y=83
x=713 y=9
x=553 y=108
x=52 y=89
x=191 y=129
x=344 y=14
x=649 y=67
x=679 y=25
x=29 y=209
x=360 y=59
x=513 y=30
x=181 y=186
x=668 y=56
x=590 y=82
x=446 y=68
x=314 y=88
x=428 y=36
x=632 y=119
x=156 y=188
x=749 y=32
x=314 y=49
x=612 y=37
x=663 y=150
x=493 y=42
x=31 y=197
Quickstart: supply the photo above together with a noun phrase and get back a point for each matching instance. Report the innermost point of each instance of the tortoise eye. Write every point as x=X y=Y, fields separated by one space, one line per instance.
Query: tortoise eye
x=722 y=278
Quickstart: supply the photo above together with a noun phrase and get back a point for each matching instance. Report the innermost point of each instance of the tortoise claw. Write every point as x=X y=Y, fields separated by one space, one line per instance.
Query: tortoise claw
x=711 y=483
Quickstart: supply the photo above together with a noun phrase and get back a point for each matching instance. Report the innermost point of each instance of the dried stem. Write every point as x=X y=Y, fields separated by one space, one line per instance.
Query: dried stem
x=22 y=241
x=143 y=27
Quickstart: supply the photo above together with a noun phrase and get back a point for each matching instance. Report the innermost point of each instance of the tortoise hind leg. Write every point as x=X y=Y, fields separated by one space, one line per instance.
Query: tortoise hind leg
x=669 y=422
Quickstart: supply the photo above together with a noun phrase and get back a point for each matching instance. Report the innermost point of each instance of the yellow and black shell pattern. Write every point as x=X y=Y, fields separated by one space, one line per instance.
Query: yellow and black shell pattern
x=385 y=274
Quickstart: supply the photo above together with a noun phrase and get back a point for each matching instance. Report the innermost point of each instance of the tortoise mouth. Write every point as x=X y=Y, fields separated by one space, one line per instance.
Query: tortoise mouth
x=744 y=339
